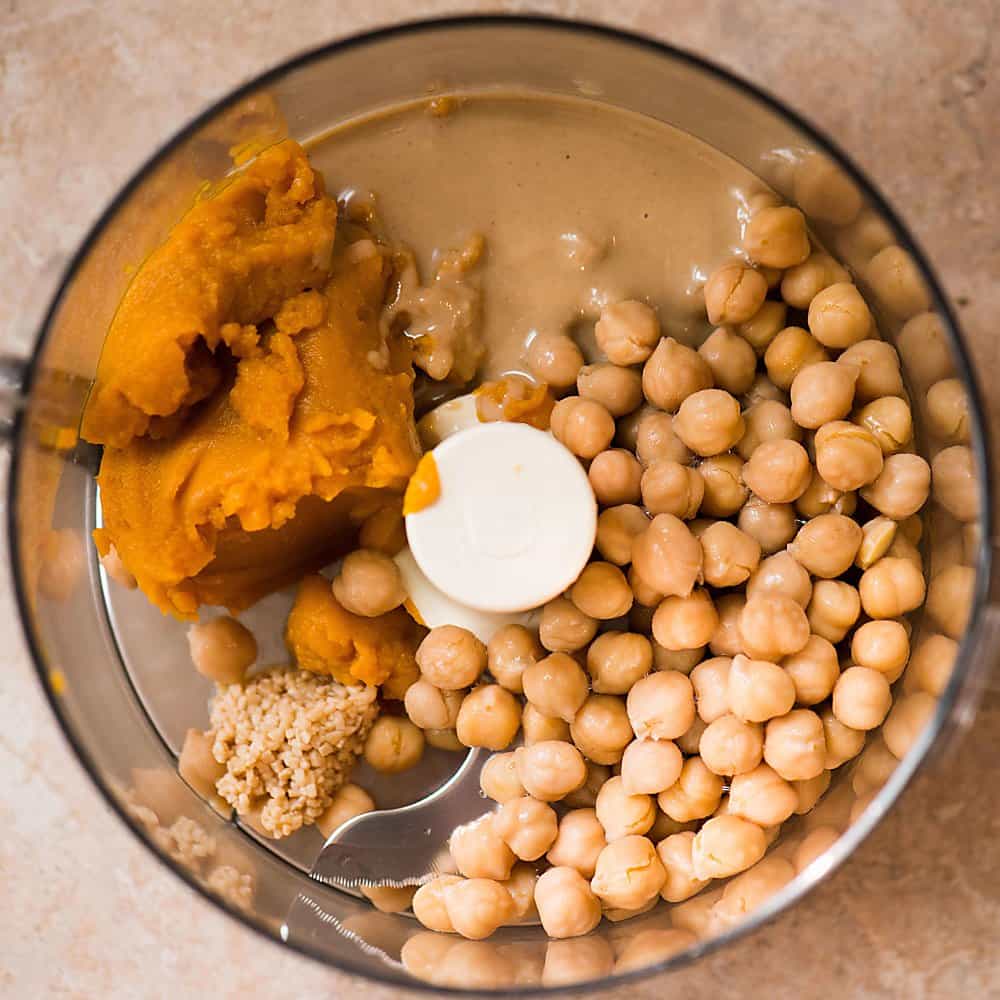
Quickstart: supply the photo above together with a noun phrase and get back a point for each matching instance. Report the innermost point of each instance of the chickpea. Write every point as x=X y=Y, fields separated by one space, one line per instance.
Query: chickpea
x=758 y=690
x=765 y=324
x=768 y=420
x=580 y=839
x=585 y=796
x=627 y=332
x=566 y=905
x=555 y=359
x=839 y=317
x=661 y=706
x=527 y=826
x=602 y=592
x=731 y=359
x=833 y=608
x=823 y=392
x=511 y=649
x=843 y=743
x=550 y=770
x=429 y=707
x=726 y=845
x=811 y=790
x=601 y=728
x=875 y=767
x=671 y=488
x=730 y=555
x=782 y=575
x=428 y=904
x=451 y=658
x=972 y=540
x=117 y=570
x=656 y=440
x=222 y=650
x=891 y=588
x=878 y=370
x=802 y=283
x=902 y=487
x=617 y=660
x=617 y=389
x=369 y=584
x=646 y=597
x=826 y=545
x=476 y=907
x=773 y=525
x=672 y=373
x=906 y=721
x=348 y=801
x=675 y=856
x=685 y=622
x=577 y=960
x=773 y=626
x=861 y=699
x=948 y=411
x=877 y=536
x=473 y=965
x=489 y=716
x=752 y=889
x=393 y=745
x=733 y=293
x=628 y=874
x=443 y=739
x=889 y=421
x=777 y=237
x=821 y=498
x=949 y=599
x=795 y=745
x=479 y=851
x=498 y=778
x=614 y=476
x=956 y=482
x=582 y=425
x=623 y=814
x=763 y=388
x=792 y=350
x=894 y=276
x=199 y=768
x=762 y=796
x=537 y=727
x=727 y=641
x=667 y=556
x=731 y=746
x=710 y=680
x=521 y=886
x=932 y=663
x=709 y=422
x=725 y=492
x=815 y=844
x=682 y=660
x=696 y=793
x=825 y=192
x=556 y=686
x=924 y=346
x=778 y=471
x=564 y=628
x=650 y=766
x=814 y=670
x=616 y=528
x=883 y=646
x=847 y=456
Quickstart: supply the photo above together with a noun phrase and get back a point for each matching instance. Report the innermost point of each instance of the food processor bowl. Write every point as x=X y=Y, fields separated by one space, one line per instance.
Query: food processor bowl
x=117 y=674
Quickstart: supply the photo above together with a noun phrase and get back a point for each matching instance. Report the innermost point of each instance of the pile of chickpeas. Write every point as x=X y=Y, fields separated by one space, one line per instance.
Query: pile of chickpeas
x=735 y=637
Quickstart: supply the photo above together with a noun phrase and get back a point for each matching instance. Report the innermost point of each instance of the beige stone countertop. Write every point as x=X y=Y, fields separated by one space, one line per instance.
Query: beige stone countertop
x=910 y=88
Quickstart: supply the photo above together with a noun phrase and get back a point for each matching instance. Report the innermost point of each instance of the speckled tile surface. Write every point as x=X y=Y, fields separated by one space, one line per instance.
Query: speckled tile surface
x=910 y=88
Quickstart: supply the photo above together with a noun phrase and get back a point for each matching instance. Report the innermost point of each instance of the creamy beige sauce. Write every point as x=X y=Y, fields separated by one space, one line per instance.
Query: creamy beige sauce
x=580 y=204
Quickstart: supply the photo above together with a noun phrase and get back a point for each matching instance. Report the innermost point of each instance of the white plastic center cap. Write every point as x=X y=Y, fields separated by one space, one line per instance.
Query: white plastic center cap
x=515 y=522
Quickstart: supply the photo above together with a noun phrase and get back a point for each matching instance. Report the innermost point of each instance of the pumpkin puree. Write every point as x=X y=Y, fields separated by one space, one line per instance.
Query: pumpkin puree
x=251 y=410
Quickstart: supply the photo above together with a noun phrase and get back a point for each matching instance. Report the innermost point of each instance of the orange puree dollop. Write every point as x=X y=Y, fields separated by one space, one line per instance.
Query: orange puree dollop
x=322 y=636
x=424 y=486
x=251 y=409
